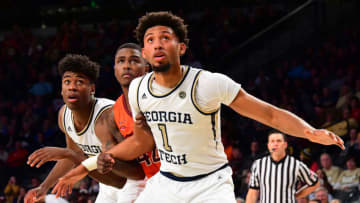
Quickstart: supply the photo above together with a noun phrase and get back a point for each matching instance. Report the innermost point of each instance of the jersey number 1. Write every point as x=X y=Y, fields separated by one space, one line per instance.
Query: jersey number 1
x=162 y=128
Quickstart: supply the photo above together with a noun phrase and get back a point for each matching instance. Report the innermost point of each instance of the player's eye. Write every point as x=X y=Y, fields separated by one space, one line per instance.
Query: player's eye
x=79 y=82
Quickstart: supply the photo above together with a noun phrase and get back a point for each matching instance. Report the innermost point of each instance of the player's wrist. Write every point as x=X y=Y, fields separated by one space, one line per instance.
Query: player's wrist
x=91 y=163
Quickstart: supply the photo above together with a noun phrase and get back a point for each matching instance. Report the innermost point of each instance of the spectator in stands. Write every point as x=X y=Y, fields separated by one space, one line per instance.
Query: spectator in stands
x=332 y=172
x=322 y=194
x=355 y=108
x=349 y=179
x=21 y=196
x=254 y=154
x=12 y=189
x=344 y=97
x=324 y=181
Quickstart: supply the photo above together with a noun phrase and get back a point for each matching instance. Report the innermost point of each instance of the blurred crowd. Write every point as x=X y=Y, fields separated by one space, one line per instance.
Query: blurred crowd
x=320 y=84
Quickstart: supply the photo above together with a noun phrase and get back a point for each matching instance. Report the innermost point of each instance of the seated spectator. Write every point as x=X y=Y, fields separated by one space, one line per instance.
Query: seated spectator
x=324 y=181
x=17 y=157
x=12 y=189
x=349 y=178
x=332 y=172
x=350 y=144
x=355 y=108
x=344 y=97
x=322 y=194
x=21 y=196
x=348 y=183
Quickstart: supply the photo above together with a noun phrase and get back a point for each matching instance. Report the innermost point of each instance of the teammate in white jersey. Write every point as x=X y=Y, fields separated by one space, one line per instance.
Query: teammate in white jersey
x=181 y=105
x=82 y=119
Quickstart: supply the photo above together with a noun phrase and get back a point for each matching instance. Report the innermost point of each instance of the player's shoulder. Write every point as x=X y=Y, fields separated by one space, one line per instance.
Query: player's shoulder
x=61 y=116
x=206 y=75
x=136 y=81
x=104 y=101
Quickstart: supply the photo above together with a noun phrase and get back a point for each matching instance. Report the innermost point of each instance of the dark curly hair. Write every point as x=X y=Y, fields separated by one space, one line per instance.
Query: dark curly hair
x=79 y=64
x=164 y=18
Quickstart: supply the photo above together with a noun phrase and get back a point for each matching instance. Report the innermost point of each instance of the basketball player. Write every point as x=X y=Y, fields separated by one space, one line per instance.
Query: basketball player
x=181 y=104
x=129 y=64
x=82 y=119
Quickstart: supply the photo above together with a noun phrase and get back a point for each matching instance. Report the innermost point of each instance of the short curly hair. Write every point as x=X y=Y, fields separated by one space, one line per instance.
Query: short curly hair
x=79 y=64
x=164 y=18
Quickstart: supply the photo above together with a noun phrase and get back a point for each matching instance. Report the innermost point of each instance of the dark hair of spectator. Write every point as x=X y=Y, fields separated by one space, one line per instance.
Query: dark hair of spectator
x=79 y=64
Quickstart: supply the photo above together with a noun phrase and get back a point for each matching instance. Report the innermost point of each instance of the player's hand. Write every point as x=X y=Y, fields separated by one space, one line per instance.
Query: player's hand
x=105 y=163
x=35 y=194
x=66 y=183
x=324 y=137
x=45 y=154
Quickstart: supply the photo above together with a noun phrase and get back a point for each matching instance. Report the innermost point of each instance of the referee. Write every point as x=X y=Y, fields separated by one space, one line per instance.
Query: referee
x=276 y=175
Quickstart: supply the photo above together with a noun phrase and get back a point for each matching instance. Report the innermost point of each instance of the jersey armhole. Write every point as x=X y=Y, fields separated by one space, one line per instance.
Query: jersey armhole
x=193 y=97
x=137 y=93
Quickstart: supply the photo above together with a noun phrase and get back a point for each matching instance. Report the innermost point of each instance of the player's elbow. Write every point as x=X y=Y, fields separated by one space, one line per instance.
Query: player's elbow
x=318 y=184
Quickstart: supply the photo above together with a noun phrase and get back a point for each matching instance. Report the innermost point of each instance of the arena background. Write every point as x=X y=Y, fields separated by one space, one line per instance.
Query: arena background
x=299 y=55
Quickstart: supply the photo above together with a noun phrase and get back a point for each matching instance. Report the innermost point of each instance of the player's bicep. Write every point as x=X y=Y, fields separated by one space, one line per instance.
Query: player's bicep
x=133 y=97
x=103 y=130
x=252 y=107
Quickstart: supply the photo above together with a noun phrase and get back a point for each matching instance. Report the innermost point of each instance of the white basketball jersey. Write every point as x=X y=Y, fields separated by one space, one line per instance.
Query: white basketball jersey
x=187 y=138
x=86 y=139
x=89 y=143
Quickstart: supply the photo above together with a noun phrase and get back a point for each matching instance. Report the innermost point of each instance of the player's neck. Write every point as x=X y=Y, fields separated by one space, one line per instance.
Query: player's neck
x=170 y=78
x=82 y=116
x=126 y=96
x=278 y=156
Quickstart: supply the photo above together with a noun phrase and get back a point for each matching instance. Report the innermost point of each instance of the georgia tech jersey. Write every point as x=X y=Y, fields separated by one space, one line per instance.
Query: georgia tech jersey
x=86 y=139
x=188 y=139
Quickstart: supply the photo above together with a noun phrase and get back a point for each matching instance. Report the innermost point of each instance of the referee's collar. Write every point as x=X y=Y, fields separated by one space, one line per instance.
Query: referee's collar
x=280 y=161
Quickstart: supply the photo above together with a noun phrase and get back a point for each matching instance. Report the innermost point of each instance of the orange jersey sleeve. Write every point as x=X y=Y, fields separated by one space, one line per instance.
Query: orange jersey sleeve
x=149 y=161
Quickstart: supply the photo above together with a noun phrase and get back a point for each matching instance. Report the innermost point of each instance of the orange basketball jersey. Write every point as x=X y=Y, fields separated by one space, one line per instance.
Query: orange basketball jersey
x=149 y=161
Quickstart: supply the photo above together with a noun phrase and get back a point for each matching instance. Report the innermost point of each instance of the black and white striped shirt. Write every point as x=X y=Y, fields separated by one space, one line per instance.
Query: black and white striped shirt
x=277 y=180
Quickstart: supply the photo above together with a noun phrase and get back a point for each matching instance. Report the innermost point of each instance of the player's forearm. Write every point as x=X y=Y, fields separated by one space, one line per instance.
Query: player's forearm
x=289 y=123
x=132 y=147
x=108 y=179
x=303 y=192
x=74 y=156
x=251 y=196
x=60 y=169
x=129 y=169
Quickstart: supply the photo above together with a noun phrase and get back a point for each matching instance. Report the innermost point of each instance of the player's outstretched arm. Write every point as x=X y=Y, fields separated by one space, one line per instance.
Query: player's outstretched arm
x=139 y=143
x=45 y=154
x=66 y=183
x=109 y=135
x=61 y=167
x=285 y=121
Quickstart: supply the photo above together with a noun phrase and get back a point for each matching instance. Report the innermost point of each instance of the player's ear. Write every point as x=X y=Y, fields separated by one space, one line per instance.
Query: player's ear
x=92 y=88
x=182 y=48
x=143 y=53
